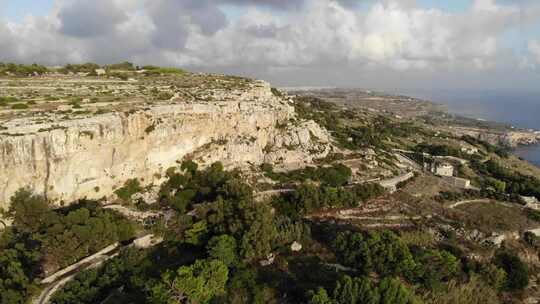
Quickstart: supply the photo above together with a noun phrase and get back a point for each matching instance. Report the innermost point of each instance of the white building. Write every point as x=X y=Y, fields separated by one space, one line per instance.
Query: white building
x=442 y=169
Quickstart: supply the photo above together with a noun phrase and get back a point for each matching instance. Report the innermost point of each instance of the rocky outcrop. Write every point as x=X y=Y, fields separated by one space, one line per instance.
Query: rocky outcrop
x=508 y=138
x=90 y=157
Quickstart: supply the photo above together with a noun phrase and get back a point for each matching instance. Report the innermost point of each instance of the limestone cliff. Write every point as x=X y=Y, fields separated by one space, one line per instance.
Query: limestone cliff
x=505 y=138
x=90 y=157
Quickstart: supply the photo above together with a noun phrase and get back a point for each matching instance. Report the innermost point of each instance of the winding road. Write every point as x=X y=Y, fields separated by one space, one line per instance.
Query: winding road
x=56 y=281
x=483 y=200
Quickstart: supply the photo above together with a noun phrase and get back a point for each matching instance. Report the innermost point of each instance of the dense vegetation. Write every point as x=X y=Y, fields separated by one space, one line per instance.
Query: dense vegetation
x=88 y=68
x=505 y=180
x=501 y=151
x=441 y=150
x=43 y=240
x=224 y=244
x=80 y=68
x=204 y=252
x=335 y=175
x=374 y=133
x=154 y=70
x=21 y=69
x=362 y=290
x=214 y=255
x=309 y=197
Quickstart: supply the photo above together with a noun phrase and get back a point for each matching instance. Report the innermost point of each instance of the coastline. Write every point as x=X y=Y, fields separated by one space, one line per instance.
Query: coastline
x=530 y=153
x=519 y=109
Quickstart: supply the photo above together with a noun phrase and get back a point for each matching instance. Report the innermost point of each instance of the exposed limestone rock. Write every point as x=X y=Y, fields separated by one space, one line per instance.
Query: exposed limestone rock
x=90 y=157
x=295 y=246
x=510 y=139
x=149 y=196
x=147 y=241
x=269 y=260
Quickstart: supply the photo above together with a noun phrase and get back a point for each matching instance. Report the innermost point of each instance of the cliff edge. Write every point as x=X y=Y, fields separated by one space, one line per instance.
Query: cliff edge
x=92 y=155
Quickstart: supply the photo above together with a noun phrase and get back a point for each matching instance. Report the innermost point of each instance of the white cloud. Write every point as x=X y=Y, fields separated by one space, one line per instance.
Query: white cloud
x=534 y=49
x=305 y=35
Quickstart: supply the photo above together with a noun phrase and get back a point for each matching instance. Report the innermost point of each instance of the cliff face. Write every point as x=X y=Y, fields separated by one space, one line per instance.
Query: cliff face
x=90 y=157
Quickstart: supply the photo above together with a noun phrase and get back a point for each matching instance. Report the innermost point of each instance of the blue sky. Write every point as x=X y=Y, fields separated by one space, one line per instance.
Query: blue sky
x=15 y=10
x=447 y=5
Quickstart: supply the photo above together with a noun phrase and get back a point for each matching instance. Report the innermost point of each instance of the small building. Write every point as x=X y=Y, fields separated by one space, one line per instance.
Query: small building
x=458 y=182
x=442 y=169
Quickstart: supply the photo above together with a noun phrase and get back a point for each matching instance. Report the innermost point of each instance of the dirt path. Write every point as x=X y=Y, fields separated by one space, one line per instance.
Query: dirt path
x=483 y=200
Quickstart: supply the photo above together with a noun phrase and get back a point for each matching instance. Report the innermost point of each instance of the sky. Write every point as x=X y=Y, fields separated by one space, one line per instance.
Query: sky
x=387 y=44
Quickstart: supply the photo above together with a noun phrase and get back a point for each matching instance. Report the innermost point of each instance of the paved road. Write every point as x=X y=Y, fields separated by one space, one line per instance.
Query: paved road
x=49 y=291
x=60 y=278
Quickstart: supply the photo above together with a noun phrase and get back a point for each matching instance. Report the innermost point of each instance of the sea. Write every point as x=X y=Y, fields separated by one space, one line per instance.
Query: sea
x=518 y=108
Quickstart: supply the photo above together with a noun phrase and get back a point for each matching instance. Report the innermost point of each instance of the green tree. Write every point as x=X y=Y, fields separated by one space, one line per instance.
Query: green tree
x=130 y=187
x=434 y=267
x=197 y=233
x=196 y=284
x=20 y=258
x=517 y=271
x=223 y=248
x=319 y=297
x=29 y=212
x=475 y=291
x=360 y=290
x=189 y=166
x=382 y=252
x=251 y=224
x=392 y=291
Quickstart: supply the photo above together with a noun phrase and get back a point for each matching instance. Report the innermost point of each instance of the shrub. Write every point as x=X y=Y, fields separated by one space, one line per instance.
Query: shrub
x=22 y=69
x=131 y=187
x=19 y=106
x=82 y=68
x=276 y=92
x=517 y=270
x=154 y=70
x=5 y=100
x=121 y=76
x=150 y=129
x=382 y=252
x=164 y=95
x=121 y=66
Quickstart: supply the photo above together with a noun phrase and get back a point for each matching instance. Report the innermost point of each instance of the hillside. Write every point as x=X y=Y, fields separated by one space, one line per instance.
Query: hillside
x=156 y=185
